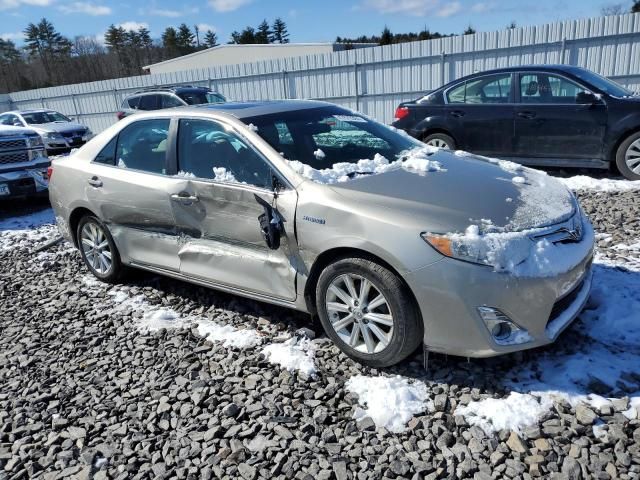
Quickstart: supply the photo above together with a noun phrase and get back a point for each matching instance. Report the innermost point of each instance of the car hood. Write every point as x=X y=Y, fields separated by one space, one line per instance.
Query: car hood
x=11 y=131
x=59 y=127
x=469 y=190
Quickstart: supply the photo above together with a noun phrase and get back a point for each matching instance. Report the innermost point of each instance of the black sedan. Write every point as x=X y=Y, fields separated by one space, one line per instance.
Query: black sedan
x=537 y=115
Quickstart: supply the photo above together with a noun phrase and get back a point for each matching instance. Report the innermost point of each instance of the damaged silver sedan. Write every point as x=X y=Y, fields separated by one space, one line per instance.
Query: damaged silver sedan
x=315 y=207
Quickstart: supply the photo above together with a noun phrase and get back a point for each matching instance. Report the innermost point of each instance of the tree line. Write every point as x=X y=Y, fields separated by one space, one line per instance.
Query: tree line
x=48 y=58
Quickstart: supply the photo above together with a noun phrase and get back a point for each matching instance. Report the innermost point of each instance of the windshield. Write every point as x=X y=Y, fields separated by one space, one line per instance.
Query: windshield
x=37 y=118
x=602 y=83
x=322 y=137
x=199 y=97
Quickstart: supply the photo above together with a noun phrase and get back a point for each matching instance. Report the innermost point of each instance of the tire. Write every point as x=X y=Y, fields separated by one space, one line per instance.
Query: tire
x=89 y=232
x=401 y=338
x=440 y=140
x=628 y=157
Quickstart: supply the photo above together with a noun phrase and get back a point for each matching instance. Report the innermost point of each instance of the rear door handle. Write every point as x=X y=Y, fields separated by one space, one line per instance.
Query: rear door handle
x=457 y=113
x=527 y=115
x=184 y=198
x=95 y=182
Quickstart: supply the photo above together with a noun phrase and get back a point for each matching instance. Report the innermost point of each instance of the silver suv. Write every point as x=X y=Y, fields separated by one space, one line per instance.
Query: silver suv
x=23 y=163
x=157 y=98
x=315 y=207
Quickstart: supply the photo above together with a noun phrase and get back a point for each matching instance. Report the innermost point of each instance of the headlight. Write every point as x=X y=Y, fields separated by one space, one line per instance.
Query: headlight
x=53 y=135
x=36 y=141
x=468 y=248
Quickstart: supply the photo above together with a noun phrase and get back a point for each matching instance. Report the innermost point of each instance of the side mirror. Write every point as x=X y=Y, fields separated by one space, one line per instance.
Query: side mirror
x=17 y=123
x=587 y=98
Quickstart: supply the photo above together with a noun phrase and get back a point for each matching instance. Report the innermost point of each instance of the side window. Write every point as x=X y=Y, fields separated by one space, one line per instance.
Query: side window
x=548 y=88
x=489 y=89
x=206 y=149
x=149 y=102
x=169 y=101
x=143 y=146
x=4 y=120
x=107 y=155
x=132 y=102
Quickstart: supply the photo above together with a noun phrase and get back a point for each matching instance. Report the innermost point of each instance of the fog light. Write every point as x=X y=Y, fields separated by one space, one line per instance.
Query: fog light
x=503 y=330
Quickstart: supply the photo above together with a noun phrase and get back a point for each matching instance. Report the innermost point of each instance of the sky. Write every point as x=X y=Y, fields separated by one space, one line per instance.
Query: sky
x=307 y=20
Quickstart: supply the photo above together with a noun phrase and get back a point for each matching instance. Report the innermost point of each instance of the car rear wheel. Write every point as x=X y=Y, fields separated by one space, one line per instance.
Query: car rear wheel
x=98 y=250
x=628 y=157
x=367 y=311
x=440 y=140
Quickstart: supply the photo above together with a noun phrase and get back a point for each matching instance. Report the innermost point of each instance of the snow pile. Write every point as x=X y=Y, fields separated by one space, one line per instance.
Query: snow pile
x=519 y=254
x=515 y=412
x=228 y=335
x=27 y=231
x=415 y=160
x=156 y=320
x=389 y=401
x=252 y=127
x=319 y=154
x=221 y=174
x=182 y=174
x=582 y=182
x=294 y=354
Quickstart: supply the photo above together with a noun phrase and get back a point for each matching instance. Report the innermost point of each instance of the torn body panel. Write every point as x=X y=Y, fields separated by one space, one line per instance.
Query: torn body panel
x=221 y=239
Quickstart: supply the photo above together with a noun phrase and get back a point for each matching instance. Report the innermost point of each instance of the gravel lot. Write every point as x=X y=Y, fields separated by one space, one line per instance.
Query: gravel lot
x=92 y=387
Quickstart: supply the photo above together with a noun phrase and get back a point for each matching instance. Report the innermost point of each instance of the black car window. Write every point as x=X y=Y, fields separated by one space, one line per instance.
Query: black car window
x=107 y=155
x=169 y=101
x=486 y=89
x=143 y=146
x=132 y=102
x=149 y=102
x=548 y=88
x=206 y=149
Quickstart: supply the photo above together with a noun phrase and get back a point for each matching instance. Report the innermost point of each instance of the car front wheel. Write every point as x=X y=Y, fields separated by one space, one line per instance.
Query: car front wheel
x=440 y=140
x=367 y=311
x=628 y=157
x=98 y=250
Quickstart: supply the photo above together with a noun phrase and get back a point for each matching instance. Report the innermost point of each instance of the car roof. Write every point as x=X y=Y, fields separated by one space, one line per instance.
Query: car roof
x=242 y=110
x=31 y=110
x=522 y=68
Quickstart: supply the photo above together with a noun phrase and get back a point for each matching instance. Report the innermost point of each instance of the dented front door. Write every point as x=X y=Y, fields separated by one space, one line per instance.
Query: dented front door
x=221 y=240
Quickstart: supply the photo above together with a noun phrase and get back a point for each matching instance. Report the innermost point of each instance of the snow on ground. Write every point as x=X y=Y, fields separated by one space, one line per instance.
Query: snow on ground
x=228 y=335
x=295 y=354
x=389 y=401
x=27 y=231
x=582 y=182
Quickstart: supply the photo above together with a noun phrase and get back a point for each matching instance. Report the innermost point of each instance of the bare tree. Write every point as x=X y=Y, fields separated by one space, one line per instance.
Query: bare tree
x=612 y=9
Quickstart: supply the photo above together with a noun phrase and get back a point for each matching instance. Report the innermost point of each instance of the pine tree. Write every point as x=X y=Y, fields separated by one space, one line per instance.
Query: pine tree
x=185 y=39
x=279 y=31
x=636 y=7
x=263 y=34
x=470 y=30
x=115 y=38
x=386 y=38
x=170 y=42
x=247 y=36
x=210 y=39
x=44 y=42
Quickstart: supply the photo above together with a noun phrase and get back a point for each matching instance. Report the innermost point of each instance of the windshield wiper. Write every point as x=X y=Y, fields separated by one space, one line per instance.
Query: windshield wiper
x=353 y=174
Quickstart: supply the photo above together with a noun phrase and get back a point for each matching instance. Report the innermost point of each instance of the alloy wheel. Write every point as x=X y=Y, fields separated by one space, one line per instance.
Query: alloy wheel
x=438 y=142
x=632 y=157
x=359 y=313
x=95 y=247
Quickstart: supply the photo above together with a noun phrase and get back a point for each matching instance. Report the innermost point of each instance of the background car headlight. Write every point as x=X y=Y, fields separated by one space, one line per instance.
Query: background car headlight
x=36 y=141
x=53 y=136
x=466 y=249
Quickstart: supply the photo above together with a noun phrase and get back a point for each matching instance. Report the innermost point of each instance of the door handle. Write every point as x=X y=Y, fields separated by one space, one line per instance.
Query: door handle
x=457 y=113
x=527 y=115
x=95 y=182
x=184 y=198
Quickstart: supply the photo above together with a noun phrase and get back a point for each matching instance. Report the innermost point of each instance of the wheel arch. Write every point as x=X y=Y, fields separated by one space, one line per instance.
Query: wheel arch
x=621 y=138
x=74 y=220
x=432 y=130
x=334 y=254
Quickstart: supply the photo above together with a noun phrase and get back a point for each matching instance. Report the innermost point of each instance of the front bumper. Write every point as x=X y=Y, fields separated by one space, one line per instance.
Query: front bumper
x=24 y=183
x=449 y=293
x=64 y=144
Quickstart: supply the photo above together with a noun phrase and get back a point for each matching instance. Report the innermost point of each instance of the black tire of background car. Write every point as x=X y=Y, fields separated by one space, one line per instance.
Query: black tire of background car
x=117 y=270
x=451 y=143
x=408 y=326
x=620 y=157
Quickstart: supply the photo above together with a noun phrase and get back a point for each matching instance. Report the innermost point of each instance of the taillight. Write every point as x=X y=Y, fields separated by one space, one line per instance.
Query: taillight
x=401 y=112
x=49 y=172
x=120 y=115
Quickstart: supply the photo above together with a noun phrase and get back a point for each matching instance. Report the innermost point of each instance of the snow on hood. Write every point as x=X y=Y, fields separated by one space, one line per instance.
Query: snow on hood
x=415 y=160
x=59 y=127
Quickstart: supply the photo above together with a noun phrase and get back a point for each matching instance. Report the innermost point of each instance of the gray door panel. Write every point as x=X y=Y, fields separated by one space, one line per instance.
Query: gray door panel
x=221 y=239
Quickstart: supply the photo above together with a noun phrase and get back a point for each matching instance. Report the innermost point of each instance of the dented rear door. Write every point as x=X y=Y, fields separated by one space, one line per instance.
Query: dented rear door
x=221 y=240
